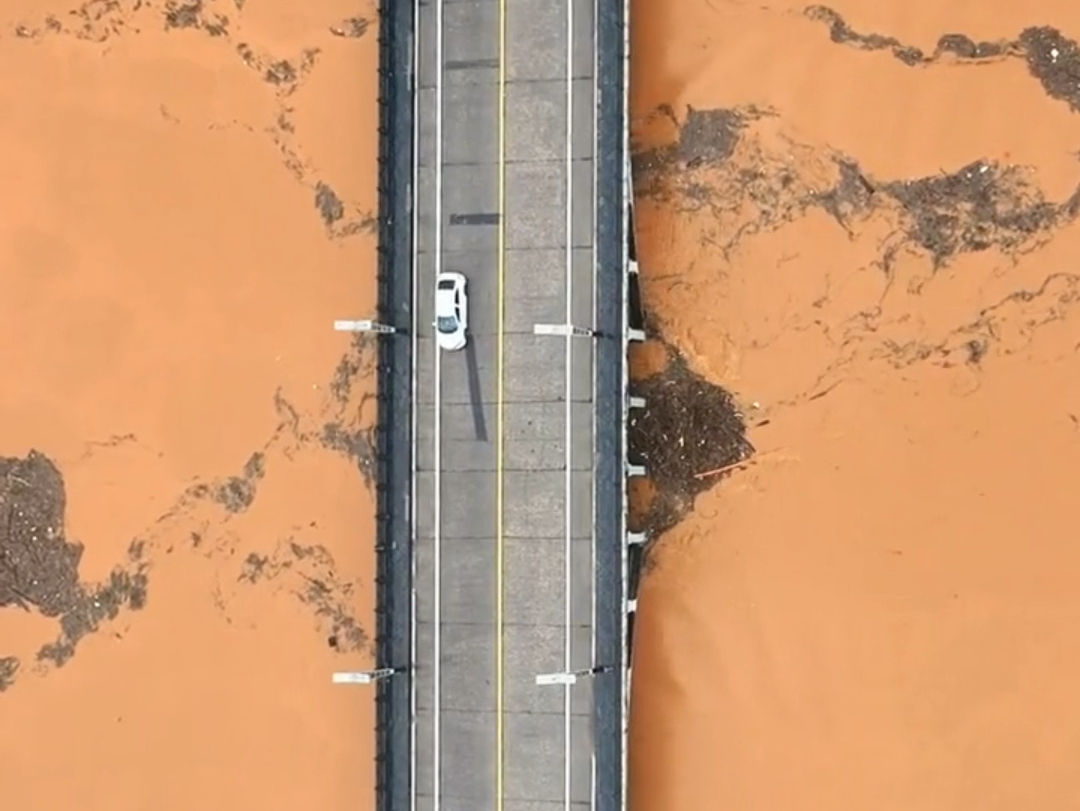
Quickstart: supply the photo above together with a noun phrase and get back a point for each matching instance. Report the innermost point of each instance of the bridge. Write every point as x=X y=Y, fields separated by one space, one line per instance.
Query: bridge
x=505 y=596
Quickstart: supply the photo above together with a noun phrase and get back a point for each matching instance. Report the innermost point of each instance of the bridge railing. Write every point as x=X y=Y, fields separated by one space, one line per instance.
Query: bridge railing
x=610 y=694
x=393 y=433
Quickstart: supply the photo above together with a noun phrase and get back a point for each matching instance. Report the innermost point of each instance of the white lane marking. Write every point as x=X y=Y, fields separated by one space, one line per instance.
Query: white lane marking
x=437 y=499
x=415 y=341
x=595 y=106
x=568 y=434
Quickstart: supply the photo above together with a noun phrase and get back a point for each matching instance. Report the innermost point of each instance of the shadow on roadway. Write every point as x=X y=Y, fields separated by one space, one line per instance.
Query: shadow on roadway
x=475 y=397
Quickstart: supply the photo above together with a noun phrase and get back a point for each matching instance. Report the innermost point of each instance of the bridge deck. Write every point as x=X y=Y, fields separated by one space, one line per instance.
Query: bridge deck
x=528 y=578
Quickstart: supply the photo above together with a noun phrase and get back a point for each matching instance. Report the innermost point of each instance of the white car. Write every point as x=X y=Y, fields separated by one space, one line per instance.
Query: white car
x=451 y=311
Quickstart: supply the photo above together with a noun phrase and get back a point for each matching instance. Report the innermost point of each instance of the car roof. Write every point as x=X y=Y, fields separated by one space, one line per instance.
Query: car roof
x=444 y=302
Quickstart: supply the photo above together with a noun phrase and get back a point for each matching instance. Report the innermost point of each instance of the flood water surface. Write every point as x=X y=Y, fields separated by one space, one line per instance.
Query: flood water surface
x=860 y=221
x=186 y=546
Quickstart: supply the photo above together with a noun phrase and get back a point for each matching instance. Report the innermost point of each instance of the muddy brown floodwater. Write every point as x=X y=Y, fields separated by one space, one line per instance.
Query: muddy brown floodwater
x=859 y=239
x=186 y=521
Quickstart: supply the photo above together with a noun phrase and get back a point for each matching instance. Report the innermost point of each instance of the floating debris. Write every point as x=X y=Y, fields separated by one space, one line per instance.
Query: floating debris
x=982 y=205
x=352 y=28
x=9 y=667
x=328 y=203
x=1054 y=60
x=689 y=426
x=238 y=492
x=957 y=45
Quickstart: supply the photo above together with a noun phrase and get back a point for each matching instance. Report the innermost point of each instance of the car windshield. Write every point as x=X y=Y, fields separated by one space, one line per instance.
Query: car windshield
x=446 y=323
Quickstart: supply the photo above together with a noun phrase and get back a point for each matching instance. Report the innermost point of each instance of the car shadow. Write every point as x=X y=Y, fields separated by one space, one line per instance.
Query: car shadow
x=475 y=396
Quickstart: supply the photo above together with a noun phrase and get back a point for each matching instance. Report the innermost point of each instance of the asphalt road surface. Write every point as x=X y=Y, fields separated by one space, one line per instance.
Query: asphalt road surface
x=504 y=552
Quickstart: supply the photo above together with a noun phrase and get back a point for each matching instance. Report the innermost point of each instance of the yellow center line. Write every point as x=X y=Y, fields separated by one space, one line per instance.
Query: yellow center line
x=500 y=265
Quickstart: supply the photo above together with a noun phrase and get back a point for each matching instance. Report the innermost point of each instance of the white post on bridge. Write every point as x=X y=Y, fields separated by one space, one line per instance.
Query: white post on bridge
x=364 y=676
x=571 y=677
x=365 y=325
x=562 y=330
